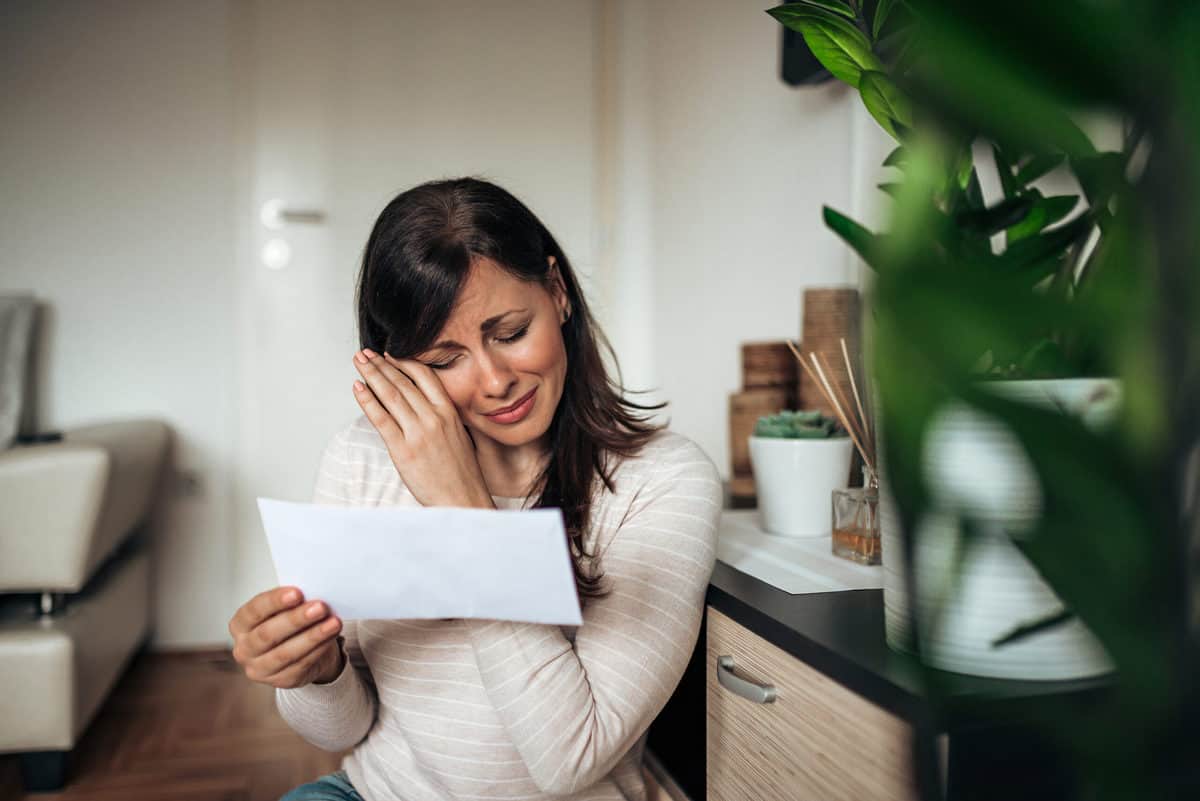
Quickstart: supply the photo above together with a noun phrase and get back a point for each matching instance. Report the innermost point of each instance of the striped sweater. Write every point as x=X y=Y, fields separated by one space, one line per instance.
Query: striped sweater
x=484 y=709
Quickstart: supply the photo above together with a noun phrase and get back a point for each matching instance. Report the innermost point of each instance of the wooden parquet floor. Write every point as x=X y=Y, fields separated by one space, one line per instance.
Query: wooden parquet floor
x=183 y=727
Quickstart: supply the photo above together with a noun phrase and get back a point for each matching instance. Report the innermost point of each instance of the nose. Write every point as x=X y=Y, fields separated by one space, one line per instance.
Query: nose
x=495 y=376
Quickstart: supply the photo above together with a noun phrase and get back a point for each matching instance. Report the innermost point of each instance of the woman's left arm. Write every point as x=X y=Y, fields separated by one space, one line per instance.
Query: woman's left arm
x=573 y=712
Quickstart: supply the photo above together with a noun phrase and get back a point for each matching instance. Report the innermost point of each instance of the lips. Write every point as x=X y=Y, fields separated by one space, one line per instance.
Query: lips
x=508 y=409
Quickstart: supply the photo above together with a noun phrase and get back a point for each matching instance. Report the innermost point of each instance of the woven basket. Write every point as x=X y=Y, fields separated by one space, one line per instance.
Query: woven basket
x=744 y=410
x=768 y=364
x=830 y=315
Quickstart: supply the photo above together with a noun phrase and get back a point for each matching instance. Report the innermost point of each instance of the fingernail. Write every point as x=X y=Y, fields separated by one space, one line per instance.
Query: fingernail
x=313 y=611
x=360 y=357
x=329 y=625
x=370 y=353
x=291 y=596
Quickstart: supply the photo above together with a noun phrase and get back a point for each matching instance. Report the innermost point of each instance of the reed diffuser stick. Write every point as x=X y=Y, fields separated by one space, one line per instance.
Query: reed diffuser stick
x=847 y=420
x=841 y=415
x=843 y=401
x=857 y=398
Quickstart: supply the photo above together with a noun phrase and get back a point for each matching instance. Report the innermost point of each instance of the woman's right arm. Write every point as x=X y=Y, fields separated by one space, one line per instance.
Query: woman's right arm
x=337 y=715
x=333 y=703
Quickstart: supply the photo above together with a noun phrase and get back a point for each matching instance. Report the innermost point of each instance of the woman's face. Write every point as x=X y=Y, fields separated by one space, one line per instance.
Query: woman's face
x=501 y=348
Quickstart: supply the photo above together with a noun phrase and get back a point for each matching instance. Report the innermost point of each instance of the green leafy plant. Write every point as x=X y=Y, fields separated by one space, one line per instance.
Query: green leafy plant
x=1046 y=243
x=797 y=425
x=1108 y=283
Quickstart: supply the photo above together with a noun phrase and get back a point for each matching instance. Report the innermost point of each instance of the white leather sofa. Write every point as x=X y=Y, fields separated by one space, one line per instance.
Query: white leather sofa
x=74 y=582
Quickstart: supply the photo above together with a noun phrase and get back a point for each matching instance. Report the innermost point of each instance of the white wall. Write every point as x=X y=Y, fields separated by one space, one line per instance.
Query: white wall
x=742 y=164
x=115 y=190
x=684 y=179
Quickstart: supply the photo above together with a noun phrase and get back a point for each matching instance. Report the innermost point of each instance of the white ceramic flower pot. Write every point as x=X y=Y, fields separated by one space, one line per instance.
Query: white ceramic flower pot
x=974 y=464
x=794 y=479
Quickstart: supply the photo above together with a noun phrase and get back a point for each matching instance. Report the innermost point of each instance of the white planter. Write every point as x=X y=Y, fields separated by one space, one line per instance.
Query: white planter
x=794 y=479
x=974 y=464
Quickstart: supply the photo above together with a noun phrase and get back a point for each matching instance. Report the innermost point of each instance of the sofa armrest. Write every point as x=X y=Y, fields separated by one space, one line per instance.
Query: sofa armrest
x=52 y=496
x=69 y=504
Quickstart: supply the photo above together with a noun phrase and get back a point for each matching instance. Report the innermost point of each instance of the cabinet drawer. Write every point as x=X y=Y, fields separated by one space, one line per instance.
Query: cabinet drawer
x=816 y=740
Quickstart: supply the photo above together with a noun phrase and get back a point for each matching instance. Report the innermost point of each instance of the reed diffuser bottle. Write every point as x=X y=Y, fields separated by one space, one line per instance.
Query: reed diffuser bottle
x=856 y=521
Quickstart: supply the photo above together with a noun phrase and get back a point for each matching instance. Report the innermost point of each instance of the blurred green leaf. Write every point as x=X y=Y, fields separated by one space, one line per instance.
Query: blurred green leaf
x=1045 y=212
x=965 y=167
x=1038 y=166
x=840 y=47
x=863 y=241
x=1078 y=52
x=890 y=189
x=973 y=192
x=976 y=87
x=830 y=5
x=1008 y=182
x=882 y=10
x=953 y=313
x=886 y=103
x=1035 y=249
x=1101 y=175
x=995 y=219
x=896 y=158
x=1045 y=360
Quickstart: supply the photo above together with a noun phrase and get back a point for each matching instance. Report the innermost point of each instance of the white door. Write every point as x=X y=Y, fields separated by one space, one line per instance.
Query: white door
x=341 y=106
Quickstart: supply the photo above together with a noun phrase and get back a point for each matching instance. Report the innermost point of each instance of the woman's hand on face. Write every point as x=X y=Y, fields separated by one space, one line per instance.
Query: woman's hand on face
x=280 y=641
x=425 y=436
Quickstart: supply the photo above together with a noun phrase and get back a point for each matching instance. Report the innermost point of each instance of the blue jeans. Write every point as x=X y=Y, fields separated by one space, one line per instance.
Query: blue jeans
x=331 y=787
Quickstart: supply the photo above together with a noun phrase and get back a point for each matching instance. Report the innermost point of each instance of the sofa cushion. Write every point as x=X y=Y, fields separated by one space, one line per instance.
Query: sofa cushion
x=68 y=505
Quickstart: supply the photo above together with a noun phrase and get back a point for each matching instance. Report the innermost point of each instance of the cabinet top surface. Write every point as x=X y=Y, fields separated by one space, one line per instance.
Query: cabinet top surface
x=841 y=634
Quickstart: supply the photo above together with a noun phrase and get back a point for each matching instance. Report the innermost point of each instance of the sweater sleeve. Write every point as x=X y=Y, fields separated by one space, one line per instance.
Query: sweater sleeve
x=338 y=715
x=574 y=710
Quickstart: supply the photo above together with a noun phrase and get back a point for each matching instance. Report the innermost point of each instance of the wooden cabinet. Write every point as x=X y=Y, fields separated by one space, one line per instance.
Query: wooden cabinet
x=816 y=740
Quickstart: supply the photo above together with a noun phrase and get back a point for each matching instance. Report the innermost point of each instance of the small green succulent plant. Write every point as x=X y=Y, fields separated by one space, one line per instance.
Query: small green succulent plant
x=797 y=425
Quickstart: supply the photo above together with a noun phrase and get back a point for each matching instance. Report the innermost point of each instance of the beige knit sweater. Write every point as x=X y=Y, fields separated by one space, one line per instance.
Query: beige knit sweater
x=484 y=709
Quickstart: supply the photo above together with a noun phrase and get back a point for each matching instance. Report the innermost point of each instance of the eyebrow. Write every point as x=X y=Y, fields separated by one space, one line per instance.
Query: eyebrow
x=485 y=327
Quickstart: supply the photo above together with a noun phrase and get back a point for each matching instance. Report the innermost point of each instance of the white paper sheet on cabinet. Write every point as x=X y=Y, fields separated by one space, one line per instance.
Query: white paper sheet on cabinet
x=437 y=562
x=796 y=565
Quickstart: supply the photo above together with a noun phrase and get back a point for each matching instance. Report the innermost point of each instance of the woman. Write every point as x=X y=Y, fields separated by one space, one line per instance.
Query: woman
x=483 y=386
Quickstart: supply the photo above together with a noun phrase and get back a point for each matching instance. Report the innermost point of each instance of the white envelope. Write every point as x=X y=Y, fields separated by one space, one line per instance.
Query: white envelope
x=395 y=562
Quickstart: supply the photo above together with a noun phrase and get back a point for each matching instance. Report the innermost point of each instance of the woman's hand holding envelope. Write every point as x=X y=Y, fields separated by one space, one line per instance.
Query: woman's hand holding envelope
x=281 y=641
x=425 y=437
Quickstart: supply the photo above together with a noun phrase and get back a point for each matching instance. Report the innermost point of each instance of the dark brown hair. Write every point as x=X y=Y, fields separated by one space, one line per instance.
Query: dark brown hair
x=414 y=265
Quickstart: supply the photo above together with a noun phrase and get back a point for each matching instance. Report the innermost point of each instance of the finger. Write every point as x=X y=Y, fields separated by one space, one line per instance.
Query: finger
x=425 y=379
x=418 y=400
x=278 y=629
x=388 y=392
x=262 y=606
x=293 y=650
x=379 y=417
x=303 y=671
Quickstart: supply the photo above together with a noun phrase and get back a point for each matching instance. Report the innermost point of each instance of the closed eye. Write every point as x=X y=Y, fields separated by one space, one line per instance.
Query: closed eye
x=514 y=337
x=505 y=340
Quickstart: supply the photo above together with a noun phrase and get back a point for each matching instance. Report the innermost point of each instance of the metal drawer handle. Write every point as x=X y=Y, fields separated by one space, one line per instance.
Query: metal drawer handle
x=758 y=693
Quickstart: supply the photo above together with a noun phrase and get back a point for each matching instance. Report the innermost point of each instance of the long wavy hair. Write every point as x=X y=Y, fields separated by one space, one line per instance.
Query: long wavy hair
x=416 y=262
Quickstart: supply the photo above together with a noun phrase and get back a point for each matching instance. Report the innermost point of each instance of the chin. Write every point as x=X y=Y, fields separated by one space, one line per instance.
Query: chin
x=522 y=433
x=531 y=429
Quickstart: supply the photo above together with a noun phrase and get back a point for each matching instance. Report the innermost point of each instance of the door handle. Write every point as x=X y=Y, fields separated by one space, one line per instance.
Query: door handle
x=274 y=215
x=758 y=693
